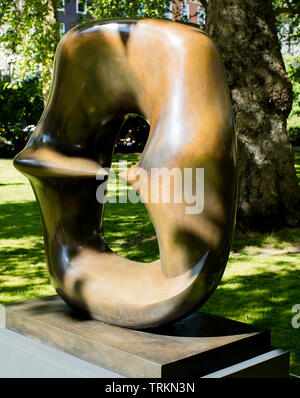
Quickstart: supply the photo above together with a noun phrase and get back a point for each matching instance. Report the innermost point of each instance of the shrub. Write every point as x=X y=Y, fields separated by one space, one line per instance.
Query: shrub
x=21 y=105
x=294 y=135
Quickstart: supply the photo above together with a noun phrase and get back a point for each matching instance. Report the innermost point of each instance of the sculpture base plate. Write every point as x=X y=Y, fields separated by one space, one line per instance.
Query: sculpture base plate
x=195 y=346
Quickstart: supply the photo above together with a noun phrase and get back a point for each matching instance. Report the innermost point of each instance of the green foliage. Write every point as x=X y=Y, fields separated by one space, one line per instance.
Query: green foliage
x=292 y=64
x=287 y=14
x=30 y=32
x=128 y=9
x=20 y=105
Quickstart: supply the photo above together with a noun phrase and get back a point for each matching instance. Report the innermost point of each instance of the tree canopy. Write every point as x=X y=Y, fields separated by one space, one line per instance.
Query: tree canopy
x=287 y=13
x=30 y=28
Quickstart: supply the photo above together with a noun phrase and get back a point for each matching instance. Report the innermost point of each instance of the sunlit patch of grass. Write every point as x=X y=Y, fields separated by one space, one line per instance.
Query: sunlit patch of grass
x=23 y=273
x=127 y=228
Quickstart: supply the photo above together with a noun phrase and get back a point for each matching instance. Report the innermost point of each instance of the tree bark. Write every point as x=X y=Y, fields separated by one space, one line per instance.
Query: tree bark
x=245 y=33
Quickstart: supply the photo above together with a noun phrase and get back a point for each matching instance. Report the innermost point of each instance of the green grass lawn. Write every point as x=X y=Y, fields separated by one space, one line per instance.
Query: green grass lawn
x=260 y=285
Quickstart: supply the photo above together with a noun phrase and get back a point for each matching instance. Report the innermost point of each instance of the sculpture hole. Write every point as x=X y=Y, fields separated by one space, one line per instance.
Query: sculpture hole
x=127 y=227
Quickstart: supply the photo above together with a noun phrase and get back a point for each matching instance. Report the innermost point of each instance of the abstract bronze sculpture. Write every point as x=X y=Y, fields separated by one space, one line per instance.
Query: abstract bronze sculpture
x=172 y=75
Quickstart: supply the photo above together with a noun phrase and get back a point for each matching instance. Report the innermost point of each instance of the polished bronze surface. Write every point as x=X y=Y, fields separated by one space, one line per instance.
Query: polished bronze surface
x=172 y=75
x=199 y=344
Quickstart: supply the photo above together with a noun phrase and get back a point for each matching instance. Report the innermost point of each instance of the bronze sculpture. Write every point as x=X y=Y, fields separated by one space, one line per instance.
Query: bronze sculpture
x=172 y=75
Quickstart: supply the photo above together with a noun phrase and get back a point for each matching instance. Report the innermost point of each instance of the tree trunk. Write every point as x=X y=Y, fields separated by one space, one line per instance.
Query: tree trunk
x=245 y=33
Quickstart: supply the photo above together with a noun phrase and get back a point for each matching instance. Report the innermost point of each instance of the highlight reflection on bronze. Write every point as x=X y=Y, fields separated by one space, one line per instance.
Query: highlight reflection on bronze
x=170 y=74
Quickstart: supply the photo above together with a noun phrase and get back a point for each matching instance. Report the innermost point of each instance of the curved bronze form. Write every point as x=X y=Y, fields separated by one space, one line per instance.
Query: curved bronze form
x=172 y=75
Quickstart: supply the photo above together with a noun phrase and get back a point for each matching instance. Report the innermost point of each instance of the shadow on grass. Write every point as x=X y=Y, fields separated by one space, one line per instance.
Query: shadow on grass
x=131 y=158
x=127 y=228
x=265 y=300
x=23 y=289
x=22 y=270
x=13 y=258
x=286 y=236
x=22 y=257
x=20 y=219
x=128 y=231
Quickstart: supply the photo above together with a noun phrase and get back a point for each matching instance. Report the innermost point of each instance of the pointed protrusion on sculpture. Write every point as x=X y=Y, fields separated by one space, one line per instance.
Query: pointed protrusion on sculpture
x=46 y=162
